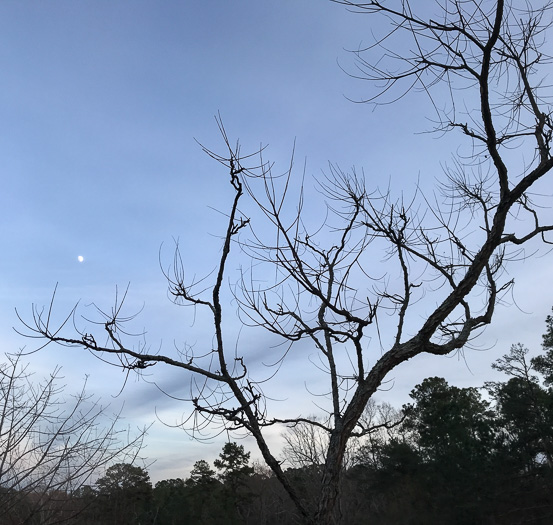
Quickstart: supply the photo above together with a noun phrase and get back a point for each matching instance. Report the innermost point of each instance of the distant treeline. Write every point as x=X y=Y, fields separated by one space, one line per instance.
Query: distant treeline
x=452 y=456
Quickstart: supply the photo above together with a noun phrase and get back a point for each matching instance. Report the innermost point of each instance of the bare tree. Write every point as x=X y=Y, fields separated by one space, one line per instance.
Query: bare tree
x=306 y=444
x=418 y=275
x=50 y=446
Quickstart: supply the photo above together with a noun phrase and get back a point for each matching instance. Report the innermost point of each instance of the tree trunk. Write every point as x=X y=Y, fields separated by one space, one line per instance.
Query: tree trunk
x=328 y=511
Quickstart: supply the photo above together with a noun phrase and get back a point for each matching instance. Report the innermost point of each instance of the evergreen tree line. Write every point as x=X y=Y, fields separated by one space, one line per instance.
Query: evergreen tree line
x=453 y=455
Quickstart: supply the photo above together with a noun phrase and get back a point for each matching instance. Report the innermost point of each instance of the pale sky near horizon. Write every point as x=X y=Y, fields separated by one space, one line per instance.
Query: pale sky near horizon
x=101 y=104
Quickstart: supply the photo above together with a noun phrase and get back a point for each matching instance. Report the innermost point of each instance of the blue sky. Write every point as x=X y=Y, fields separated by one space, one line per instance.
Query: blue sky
x=100 y=106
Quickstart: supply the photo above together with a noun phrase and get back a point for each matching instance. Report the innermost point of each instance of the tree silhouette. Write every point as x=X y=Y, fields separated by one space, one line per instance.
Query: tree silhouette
x=50 y=446
x=381 y=278
x=124 y=494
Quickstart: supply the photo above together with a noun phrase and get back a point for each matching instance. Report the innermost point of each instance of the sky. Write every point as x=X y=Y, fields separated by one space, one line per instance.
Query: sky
x=102 y=106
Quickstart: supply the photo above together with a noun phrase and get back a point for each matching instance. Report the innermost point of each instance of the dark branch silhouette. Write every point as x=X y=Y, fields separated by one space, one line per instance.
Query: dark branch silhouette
x=379 y=279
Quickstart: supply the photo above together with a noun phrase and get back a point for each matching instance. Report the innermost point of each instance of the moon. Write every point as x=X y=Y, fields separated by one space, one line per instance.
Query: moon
x=80 y=258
